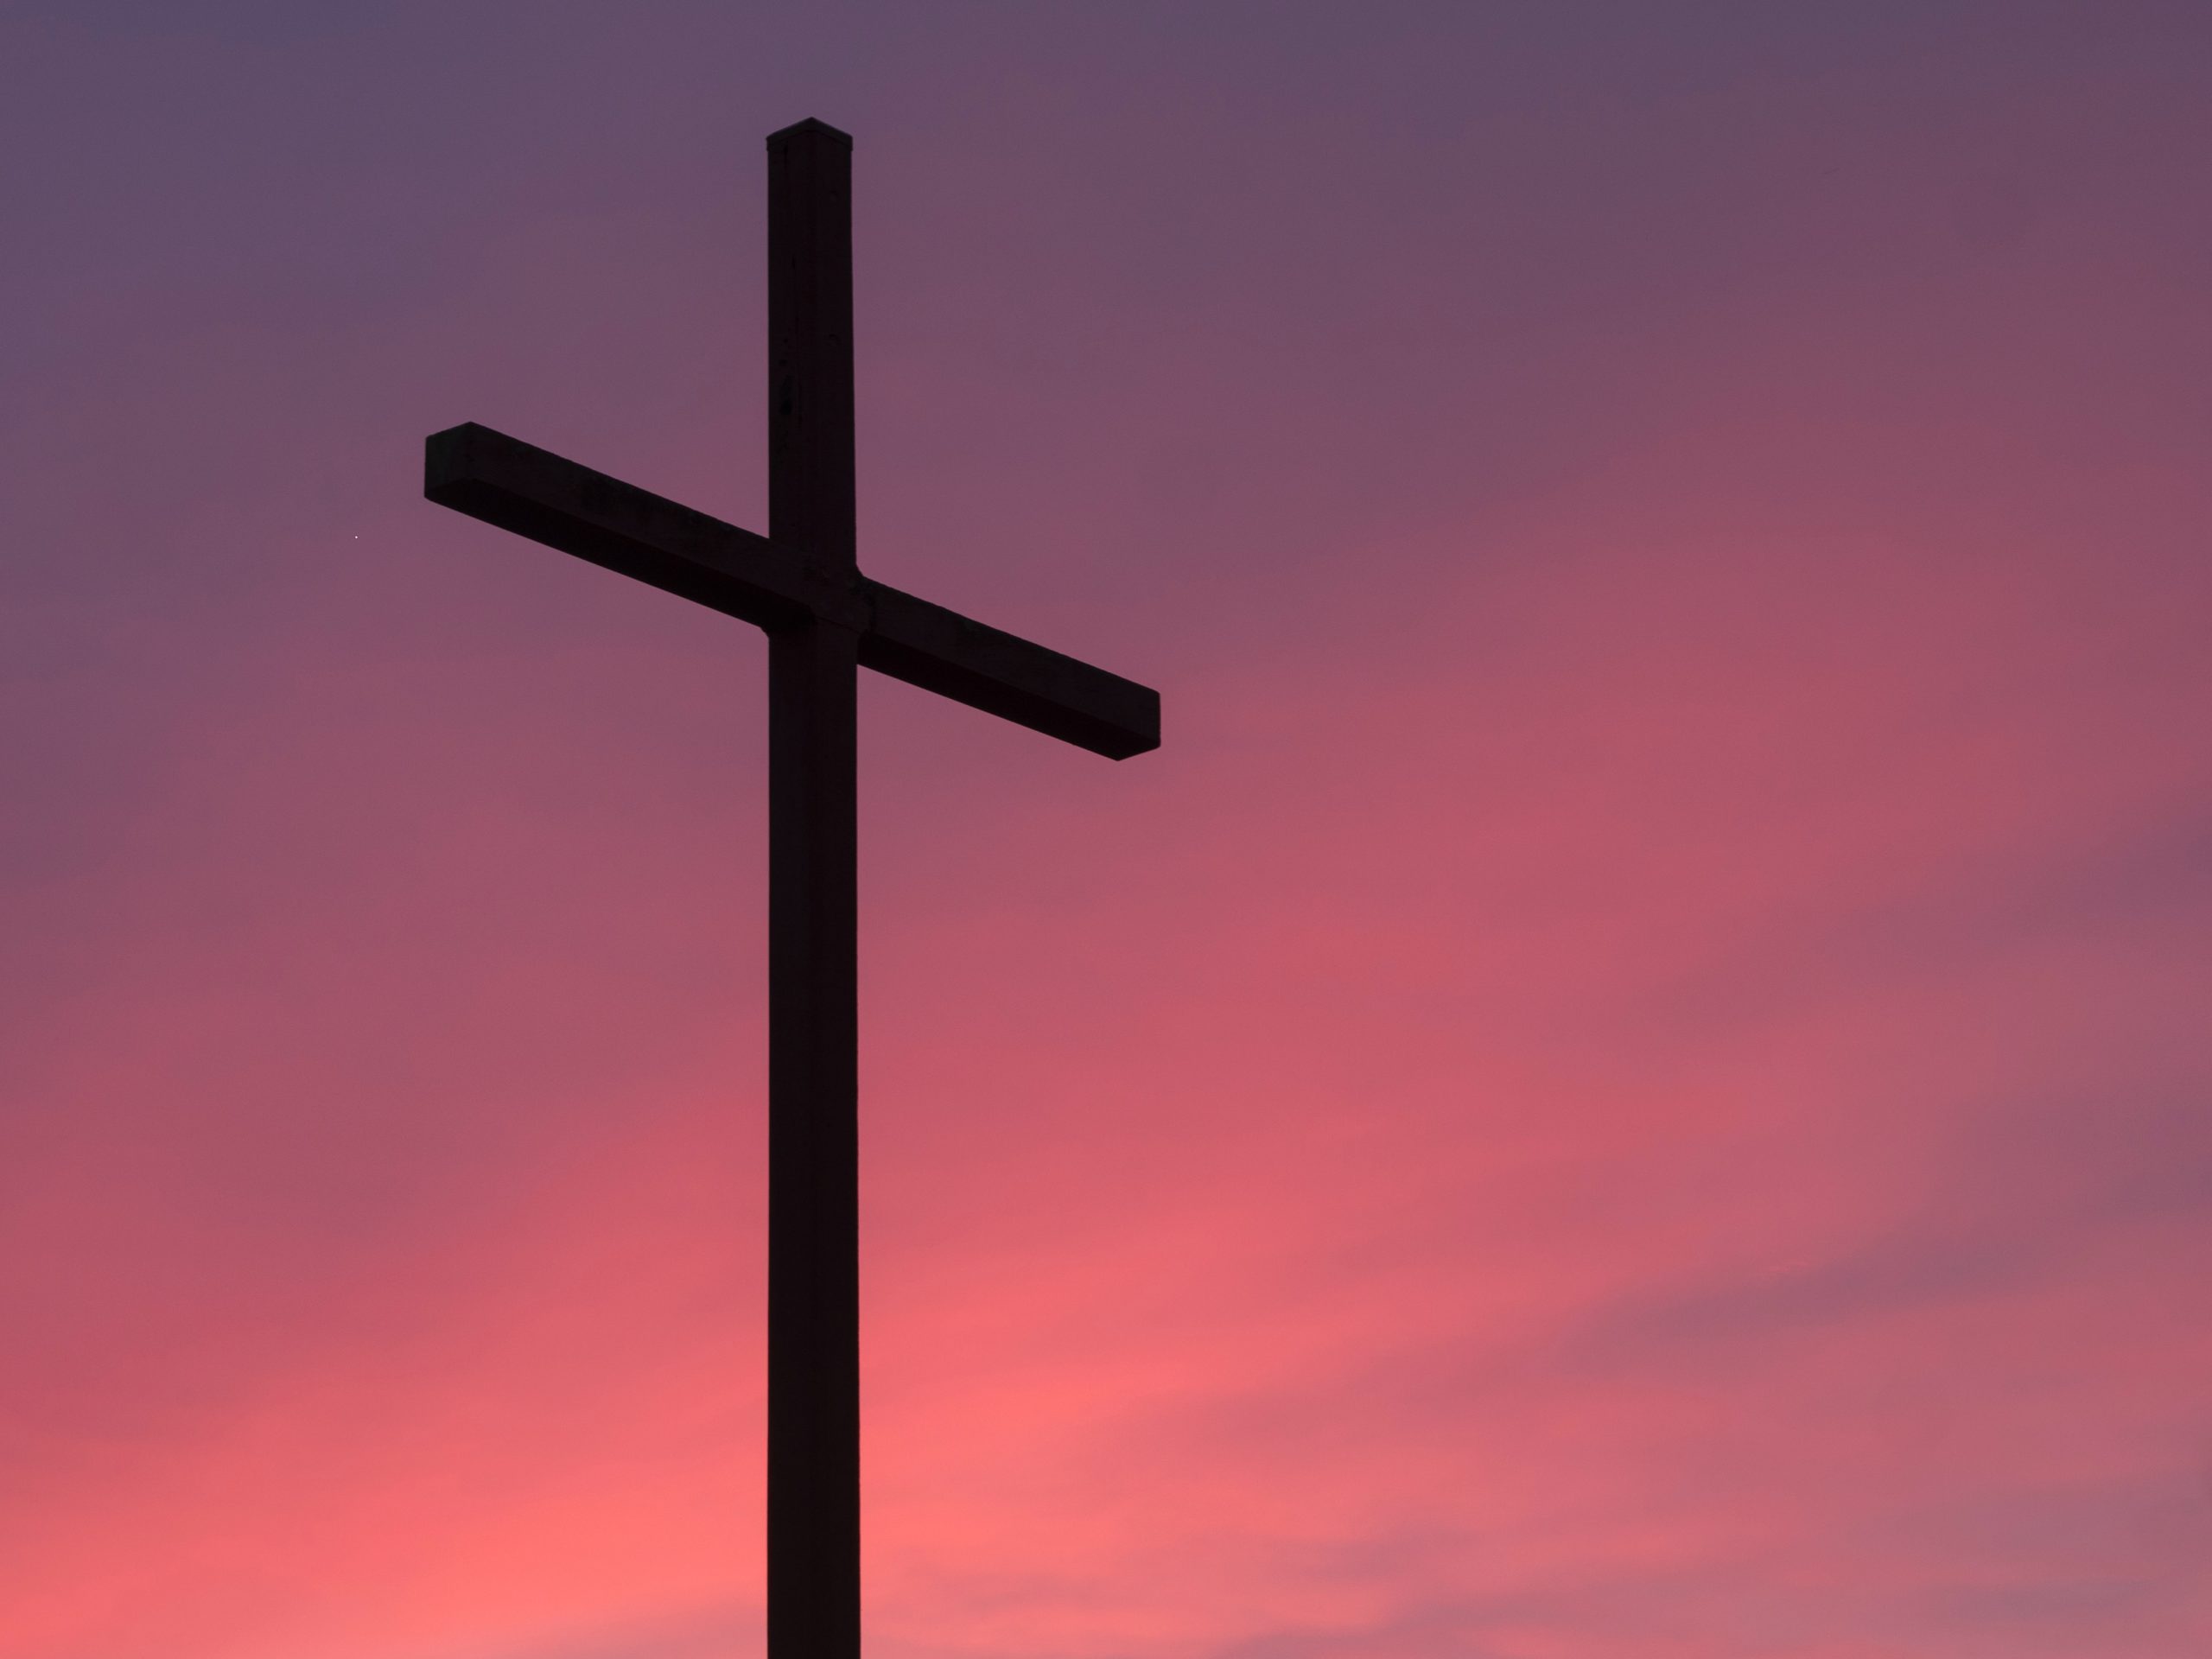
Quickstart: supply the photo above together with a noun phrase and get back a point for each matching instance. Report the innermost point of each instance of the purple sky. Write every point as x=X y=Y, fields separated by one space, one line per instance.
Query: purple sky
x=1632 y=1083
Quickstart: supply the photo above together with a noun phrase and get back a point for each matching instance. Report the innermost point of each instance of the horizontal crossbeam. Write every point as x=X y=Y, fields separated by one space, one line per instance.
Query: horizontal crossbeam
x=537 y=493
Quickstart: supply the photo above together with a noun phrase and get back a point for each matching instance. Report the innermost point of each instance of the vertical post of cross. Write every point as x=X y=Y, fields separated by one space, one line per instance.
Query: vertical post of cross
x=814 y=1514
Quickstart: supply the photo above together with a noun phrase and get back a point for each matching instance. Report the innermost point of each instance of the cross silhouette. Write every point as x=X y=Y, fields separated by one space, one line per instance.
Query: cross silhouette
x=824 y=620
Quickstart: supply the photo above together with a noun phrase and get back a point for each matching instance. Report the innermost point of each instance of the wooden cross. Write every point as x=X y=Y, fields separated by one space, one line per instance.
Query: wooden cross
x=823 y=620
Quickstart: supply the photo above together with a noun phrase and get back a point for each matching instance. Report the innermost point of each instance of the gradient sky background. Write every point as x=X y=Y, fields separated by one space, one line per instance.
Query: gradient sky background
x=1632 y=1084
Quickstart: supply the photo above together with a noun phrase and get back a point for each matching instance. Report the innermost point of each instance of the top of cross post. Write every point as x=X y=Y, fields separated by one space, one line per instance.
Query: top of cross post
x=810 y=127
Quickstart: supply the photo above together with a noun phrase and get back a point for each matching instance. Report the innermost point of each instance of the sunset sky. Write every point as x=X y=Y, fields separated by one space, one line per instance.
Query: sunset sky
x=1634 y=1081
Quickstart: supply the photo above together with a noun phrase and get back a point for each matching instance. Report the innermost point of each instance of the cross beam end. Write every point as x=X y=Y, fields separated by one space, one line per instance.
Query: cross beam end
x=535 y=492
x=1003 y=674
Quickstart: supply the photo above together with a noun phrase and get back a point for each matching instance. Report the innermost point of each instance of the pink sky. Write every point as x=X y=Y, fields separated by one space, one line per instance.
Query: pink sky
x=1632 y=1083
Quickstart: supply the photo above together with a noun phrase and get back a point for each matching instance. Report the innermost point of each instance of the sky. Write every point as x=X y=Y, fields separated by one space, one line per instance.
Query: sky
x=1631 y=1081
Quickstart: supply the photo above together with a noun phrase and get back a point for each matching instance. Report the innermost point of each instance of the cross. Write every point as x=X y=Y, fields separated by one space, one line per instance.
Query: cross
x=824 y=621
